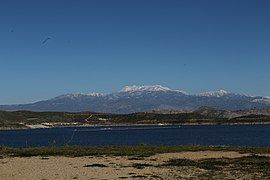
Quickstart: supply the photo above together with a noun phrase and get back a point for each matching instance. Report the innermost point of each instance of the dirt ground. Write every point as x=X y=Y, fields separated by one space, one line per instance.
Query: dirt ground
x=110 y=167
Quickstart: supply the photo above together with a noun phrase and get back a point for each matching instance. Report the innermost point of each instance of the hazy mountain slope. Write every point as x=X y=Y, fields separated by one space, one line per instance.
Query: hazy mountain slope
x=265 y=112
x=216 y=113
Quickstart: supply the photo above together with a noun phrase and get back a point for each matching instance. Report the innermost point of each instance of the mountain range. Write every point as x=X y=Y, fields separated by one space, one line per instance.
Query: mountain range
x=133 y=99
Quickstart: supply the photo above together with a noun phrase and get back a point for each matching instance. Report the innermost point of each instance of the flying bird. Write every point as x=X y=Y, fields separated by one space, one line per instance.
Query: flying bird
x=45 y=40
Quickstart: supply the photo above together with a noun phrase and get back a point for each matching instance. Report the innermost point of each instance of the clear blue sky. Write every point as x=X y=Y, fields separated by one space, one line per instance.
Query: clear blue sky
x=103 y=45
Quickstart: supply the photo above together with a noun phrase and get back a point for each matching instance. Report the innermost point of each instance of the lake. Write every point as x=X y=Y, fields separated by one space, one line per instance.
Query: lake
x=229 y=135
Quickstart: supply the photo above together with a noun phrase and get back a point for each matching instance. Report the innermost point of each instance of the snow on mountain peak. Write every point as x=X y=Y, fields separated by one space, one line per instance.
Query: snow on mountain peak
x=218 y=93
x=70 y=96
x=181 y=91
x=262 y=100
x=134 y=88
x=78 y=95
x=95 y=94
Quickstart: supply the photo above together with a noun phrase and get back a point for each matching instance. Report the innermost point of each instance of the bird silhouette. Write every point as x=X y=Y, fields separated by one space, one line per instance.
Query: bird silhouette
x=45 y=40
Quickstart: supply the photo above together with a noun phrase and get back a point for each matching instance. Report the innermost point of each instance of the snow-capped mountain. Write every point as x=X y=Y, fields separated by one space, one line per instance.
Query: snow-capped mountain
x=96 y=94
x=219 y=93
x=144 y=98
x=78 y=95
x=155 y=88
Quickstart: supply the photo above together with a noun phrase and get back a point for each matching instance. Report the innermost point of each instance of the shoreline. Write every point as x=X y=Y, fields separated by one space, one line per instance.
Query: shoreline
x=122 y=150
x=42 y=126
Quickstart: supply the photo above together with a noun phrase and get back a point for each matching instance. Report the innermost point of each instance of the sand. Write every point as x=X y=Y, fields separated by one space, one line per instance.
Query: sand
x=117 y=167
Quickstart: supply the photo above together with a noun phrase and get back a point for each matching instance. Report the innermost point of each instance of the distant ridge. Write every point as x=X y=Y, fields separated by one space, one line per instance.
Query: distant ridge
x=133 y=99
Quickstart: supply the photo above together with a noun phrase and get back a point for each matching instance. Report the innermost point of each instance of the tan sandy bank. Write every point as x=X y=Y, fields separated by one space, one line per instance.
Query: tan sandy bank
x=106 y=167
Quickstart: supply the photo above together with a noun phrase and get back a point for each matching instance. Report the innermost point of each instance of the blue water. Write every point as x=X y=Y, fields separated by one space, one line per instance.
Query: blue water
x=229 y=135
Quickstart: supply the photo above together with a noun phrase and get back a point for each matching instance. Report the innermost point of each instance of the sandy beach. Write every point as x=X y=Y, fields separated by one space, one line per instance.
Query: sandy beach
x=113 y=167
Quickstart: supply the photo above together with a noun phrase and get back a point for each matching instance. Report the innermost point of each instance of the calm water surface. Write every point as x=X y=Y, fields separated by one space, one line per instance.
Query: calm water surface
x=230 y=135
